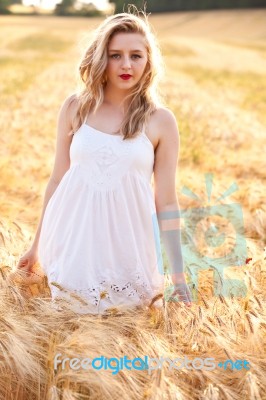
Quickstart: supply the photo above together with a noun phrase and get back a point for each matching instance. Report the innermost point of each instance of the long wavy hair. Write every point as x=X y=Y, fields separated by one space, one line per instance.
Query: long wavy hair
x=144 y=98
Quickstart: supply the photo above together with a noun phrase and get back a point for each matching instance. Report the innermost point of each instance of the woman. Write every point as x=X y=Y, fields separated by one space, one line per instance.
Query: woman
x=97 y=239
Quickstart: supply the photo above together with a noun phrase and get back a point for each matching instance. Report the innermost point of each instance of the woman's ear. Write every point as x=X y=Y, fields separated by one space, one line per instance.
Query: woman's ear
x=104 y=78
x=147 y=66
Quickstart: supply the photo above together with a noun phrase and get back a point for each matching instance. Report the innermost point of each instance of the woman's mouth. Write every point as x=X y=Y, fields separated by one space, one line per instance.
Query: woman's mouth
x=125 y=76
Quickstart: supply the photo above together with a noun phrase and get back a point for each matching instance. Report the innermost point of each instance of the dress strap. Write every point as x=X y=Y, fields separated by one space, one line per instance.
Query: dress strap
x=143 y=130
x=86 y=120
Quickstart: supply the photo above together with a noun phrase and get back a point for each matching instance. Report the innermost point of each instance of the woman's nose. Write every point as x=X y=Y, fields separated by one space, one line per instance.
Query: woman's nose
x=126 y=62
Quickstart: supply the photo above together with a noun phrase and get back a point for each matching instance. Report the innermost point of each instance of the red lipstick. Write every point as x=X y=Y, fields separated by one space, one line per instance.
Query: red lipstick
x=125 y=76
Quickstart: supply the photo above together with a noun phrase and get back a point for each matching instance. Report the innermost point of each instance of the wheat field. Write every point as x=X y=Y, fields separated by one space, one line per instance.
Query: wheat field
x=215 y=82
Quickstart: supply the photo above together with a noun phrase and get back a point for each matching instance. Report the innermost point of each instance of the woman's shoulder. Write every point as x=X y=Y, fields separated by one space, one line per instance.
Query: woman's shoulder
x=163 y=115
x=70 y=107
x=161 y=126
x=71 y=101
x=164 y=123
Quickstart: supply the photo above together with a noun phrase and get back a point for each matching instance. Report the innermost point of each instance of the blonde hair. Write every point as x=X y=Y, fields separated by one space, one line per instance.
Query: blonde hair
x=144 y=99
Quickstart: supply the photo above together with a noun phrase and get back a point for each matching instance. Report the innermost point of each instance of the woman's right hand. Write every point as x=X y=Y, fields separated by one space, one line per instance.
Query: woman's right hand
x=28 y=260
x=26 y=272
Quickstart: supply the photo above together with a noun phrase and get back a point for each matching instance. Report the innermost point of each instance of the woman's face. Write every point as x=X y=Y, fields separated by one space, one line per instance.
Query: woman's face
x=127 y=59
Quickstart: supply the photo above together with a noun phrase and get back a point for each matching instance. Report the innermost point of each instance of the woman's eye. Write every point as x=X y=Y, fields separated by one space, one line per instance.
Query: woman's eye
x=133 y=55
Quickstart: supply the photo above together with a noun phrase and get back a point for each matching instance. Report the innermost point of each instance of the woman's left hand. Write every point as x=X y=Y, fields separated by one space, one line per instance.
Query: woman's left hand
x=181 y=289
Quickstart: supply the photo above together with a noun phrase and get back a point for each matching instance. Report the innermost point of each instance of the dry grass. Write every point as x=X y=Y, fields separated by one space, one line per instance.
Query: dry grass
x=215 y=83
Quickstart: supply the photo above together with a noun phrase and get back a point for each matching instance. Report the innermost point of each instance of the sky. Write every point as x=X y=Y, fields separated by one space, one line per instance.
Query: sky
x=50 y=4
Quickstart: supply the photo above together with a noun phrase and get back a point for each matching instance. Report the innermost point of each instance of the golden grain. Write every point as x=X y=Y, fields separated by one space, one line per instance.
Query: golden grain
x=249 y=322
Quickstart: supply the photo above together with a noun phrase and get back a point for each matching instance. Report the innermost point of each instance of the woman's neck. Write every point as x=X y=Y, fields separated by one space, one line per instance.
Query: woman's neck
x=115 y=98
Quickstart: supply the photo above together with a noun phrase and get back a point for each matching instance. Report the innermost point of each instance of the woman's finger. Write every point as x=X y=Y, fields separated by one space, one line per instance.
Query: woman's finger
x=23 y=264
x=183 y=292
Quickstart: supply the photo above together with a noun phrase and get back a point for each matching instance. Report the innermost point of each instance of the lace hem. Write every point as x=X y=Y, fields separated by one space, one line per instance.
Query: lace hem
x=105 y=295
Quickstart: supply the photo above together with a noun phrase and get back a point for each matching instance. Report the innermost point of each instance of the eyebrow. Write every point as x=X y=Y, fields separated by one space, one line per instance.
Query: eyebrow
x=139 y=51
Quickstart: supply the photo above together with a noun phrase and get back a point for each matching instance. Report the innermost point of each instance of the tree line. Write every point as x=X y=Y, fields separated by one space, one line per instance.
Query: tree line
x=187 y=5
x=66 y=7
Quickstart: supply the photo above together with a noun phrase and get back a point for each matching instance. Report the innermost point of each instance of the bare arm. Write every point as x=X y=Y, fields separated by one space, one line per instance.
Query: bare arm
x=166 y=159
x=167 y=206
x=62 y=159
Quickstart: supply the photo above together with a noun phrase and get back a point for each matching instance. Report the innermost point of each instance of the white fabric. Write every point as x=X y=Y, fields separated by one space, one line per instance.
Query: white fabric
x=100 y=227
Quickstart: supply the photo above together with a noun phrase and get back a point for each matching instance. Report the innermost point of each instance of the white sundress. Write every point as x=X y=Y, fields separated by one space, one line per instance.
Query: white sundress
x=100 y=237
